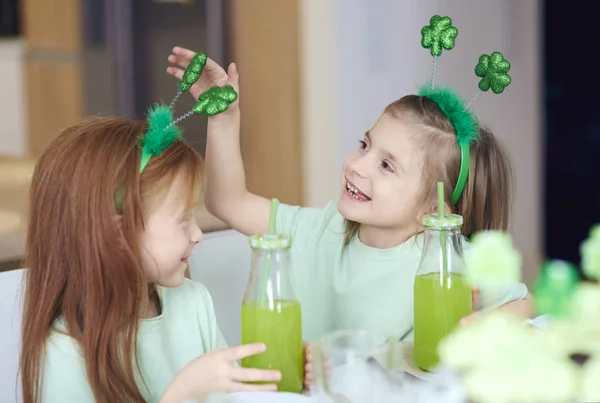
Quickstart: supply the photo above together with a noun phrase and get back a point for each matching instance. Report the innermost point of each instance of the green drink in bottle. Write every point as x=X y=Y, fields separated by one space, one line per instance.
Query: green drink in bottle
x=271 y=312
x=442 y=294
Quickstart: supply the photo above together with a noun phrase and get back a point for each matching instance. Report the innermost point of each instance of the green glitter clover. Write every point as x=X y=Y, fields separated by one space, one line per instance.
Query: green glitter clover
x=438 y=35
x=590 y=254
x=492 y=260
x=554 y=288
x=493 y=70
x=193 y=72
x=215 y=100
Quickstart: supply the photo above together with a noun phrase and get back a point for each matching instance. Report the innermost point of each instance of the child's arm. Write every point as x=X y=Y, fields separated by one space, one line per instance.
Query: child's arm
x=225 y=193
x=522 y=308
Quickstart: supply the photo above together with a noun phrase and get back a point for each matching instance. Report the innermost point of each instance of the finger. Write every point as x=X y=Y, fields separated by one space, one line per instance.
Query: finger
x=178 y=61
x=246 y=350
x=233 y=77
x=308 y=372
x=249 y=387
x=308 y=351
x=307 y=383
x=255 y=375
x=184 y=54
x=175 y=72
x=475 y=296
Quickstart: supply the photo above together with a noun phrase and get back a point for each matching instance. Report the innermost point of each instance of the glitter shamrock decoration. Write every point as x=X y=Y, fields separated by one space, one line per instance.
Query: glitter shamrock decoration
x=590 y=254
x=215 y=100
x=554 y=288
x=193 y=72
x=493 y=70
x=492 y=260
x=438 y=35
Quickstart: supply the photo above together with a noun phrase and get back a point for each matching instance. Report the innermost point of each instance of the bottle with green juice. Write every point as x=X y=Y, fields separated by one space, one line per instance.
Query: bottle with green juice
x=271 y=312
x=442 y=294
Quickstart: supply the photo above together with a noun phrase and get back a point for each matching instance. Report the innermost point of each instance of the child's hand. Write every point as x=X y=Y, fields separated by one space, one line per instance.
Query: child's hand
x=475 y=297
x=308 y=364
x=212 y=75
x=476 y=314
x=215 y=372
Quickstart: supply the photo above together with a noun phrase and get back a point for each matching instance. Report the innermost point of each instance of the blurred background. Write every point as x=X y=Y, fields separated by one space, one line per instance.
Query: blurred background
x=315 y=75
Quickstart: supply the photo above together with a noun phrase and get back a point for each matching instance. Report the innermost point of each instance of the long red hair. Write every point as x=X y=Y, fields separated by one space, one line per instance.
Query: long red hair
x=82 y=263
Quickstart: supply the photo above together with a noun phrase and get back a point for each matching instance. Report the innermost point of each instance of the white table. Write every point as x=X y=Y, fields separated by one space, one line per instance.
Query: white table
x=262 y=397
x=272 y=397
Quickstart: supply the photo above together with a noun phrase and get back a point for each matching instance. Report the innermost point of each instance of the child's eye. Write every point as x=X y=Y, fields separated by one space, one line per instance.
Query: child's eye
x=362 y=144
x=387 y=166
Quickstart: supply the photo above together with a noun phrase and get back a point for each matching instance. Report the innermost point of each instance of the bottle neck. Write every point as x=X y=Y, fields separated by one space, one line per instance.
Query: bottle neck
x=451 y=231
x=442 y=251
x=270 y=276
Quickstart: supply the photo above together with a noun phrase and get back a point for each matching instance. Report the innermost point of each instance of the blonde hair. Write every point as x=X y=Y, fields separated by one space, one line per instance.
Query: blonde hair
x=486 y=199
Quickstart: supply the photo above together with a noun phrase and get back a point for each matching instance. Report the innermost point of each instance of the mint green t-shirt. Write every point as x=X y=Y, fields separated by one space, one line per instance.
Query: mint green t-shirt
x=186 y=328
x=356 y=286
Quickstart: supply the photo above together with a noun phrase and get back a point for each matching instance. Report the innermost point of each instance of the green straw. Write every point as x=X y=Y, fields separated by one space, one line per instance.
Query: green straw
x=267 y=264
x=442 y=215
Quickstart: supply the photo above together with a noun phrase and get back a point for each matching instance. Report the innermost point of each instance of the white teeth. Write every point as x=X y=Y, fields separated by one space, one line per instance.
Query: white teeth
x=352 y=190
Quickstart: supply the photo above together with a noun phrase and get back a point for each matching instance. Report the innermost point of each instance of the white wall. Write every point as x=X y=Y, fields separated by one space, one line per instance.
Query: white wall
x=222 y=263
x=12 y=98
x=359 y=55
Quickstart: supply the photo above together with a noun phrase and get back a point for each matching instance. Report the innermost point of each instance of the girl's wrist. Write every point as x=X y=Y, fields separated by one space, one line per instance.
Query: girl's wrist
x=175 y=394
x=226 y=118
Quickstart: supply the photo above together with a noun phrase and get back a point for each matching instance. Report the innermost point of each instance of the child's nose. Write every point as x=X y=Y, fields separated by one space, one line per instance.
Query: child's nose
x=360 y=166
x=197 y=235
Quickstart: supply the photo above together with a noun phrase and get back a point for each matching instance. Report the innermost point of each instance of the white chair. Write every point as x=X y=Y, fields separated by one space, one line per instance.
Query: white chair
x=11 y=308
x=222 y=263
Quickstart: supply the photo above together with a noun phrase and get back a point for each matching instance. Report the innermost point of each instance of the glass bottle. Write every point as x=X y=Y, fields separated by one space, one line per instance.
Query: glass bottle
x=271 y=312
x=442 y=294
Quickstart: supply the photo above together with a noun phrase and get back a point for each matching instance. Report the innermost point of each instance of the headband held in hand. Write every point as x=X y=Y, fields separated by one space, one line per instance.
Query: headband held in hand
x=163 y=130
x=493 y=70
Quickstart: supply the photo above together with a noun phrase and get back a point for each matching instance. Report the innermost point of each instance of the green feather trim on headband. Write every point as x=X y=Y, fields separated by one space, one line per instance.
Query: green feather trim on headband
x=160 y=135
x=464 y=122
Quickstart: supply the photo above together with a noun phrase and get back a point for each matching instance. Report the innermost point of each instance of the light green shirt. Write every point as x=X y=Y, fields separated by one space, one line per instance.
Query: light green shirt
x=356 y=286
x=185 y=329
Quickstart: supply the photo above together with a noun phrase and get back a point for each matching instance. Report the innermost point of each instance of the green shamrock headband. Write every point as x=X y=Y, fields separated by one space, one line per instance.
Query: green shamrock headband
x=163 y=130
x=493 y=70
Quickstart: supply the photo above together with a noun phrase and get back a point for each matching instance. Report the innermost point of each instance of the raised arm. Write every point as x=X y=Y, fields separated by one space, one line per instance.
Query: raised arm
x=225 y=193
